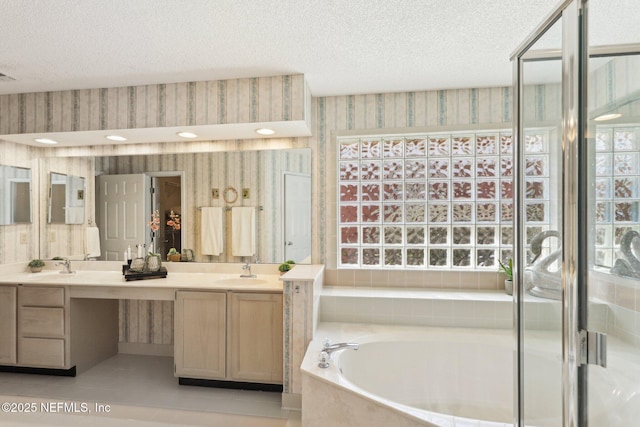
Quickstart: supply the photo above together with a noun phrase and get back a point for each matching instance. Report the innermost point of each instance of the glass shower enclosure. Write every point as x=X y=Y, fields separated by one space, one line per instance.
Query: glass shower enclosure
x=577 y=246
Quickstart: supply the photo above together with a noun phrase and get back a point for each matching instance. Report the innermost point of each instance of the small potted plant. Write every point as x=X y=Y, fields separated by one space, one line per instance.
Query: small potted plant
x=173 y=255
x=36 y=265
x=286 y=266
x=507 y=269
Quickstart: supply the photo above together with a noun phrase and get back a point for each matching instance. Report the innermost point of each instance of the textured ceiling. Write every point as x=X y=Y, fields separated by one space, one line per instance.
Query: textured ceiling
x=342 y=46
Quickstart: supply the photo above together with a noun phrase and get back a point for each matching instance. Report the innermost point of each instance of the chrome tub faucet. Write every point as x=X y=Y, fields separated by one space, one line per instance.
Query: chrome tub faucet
x=328 y=348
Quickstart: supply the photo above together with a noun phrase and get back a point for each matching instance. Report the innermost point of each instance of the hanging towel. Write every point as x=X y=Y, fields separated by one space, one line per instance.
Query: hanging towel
x=92 y=242
x=211 y=231
x=74 y=215
x=243 y=231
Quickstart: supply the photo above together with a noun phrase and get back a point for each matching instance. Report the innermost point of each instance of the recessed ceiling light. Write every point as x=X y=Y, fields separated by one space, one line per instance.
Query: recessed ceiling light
x=265 y=131
x=605 y=117
x=116 y=138
x=187 y=134
x=46 y=141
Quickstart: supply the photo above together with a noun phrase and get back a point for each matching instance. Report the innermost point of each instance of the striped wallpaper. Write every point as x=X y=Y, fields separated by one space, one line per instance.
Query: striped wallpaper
x=263 y=99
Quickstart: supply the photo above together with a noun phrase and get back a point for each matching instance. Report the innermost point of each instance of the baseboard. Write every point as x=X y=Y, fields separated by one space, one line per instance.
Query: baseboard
x=292 y=401
x=71 y=372
x=146 y=349
x=236 y=385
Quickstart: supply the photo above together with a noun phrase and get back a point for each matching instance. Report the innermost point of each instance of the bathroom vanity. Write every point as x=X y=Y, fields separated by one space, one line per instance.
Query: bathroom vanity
x=226 y=328
x=230 y=335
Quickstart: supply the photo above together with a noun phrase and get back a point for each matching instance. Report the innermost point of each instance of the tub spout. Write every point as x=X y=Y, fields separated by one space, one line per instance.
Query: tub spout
x=330 y=348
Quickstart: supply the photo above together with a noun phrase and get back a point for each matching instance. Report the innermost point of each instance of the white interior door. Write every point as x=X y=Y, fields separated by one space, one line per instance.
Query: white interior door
x=297 y=217
x=120 y=213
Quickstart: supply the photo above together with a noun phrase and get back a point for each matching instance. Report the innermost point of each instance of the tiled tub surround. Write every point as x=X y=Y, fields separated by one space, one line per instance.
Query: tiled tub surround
x=622 y=296
x=450 y=377
x=466 y=308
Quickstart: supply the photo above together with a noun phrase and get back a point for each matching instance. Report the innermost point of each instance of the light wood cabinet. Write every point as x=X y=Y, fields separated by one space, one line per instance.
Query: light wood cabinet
x=43 y=327
x=231 y=336
x=255 y=337
x=200 y=334
x=8 y=326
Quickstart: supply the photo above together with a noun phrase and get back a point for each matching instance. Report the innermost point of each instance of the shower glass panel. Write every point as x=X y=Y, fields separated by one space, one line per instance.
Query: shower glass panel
x=613 y=108
x=540 y=200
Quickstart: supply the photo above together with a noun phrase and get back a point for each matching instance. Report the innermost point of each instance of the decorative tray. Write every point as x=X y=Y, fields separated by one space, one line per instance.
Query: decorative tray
x=144 y=275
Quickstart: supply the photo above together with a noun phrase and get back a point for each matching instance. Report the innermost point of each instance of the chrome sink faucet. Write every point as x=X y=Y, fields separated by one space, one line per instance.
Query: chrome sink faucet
x=247 y=269
x=67 y=266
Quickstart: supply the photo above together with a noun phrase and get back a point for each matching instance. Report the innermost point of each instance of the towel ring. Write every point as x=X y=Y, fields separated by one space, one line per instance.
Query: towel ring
x=227 y=198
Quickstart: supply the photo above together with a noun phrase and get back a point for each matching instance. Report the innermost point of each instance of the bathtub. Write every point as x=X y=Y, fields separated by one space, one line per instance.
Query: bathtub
x=448 y=377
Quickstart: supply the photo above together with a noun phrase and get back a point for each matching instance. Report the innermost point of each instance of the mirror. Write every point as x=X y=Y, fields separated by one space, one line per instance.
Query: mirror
x=258 y=178
x=66 y=199
x=15 y=194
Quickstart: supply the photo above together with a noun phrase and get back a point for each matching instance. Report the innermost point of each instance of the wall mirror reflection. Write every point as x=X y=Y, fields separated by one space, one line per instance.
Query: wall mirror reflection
x=15 y=195
x=616 y=141
x=276 y=184
x=66 y=199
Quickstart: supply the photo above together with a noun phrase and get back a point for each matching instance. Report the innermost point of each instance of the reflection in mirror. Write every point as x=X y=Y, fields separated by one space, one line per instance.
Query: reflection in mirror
x=66 y=199
x=616 y=127
x=15 y=195
x=257 y=176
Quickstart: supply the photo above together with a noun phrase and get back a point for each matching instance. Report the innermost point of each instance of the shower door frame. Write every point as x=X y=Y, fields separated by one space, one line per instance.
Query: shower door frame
x=572 y=14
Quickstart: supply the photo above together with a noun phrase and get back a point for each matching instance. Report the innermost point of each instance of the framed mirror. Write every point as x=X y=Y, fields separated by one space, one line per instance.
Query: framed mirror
x=66 y=199
x=15 y=195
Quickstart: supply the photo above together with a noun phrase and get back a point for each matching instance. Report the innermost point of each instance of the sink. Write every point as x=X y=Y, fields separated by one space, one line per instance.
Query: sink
x=242 y=281
x=38 y=277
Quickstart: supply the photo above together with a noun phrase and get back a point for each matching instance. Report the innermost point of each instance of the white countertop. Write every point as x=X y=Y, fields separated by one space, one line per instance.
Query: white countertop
x=303 y=272
x=93 y=278
x=194 y=276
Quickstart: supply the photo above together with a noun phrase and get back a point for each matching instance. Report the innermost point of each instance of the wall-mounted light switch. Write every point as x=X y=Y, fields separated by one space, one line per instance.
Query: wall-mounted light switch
x=215 y=193
x=245 y=193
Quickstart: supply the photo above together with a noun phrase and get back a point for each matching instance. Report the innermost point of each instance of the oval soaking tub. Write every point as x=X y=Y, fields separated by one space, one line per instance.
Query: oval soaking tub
x=457 y=377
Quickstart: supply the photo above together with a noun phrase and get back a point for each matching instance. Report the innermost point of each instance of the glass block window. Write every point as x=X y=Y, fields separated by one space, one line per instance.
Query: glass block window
x=617 y=196
x=441 y=200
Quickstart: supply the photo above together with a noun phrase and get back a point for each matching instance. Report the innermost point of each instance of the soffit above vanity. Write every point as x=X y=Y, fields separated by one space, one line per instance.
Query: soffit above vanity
x=214 y=110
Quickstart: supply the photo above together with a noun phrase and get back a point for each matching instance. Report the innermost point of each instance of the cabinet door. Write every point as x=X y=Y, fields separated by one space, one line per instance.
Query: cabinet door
x=200 y=334
x=255 y=337
x=8 y=325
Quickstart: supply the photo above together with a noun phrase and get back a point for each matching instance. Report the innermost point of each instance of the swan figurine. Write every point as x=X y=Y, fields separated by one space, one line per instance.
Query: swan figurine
x=544 y=282
x=628 y=265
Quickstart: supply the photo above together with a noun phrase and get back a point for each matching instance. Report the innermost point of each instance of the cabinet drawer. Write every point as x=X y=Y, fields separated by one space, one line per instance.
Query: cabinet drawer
x=43 y=322
x=41 y=297
x=41 y=352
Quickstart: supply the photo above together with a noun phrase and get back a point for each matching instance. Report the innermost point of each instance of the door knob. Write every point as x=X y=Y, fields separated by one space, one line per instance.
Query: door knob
x=289 y=243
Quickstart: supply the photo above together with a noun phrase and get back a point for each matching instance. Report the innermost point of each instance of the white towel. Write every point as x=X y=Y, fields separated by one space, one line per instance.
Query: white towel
x=74 y=215
x=211 y=231
x=243 y=231
x=92 y=241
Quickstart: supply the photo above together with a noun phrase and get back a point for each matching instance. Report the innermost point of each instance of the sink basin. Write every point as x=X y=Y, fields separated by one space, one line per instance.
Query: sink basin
x=242 y=281
x=43 y=275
